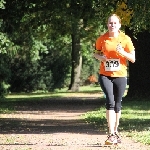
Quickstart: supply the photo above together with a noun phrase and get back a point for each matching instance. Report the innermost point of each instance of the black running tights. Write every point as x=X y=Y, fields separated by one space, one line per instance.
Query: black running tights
x=114 y=88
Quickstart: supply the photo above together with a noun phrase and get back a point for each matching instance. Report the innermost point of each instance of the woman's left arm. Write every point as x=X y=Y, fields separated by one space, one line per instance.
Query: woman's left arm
x=128 y=55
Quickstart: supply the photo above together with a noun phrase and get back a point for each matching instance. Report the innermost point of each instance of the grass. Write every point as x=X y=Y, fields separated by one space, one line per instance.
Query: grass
x=134 y=123
x=57 y=93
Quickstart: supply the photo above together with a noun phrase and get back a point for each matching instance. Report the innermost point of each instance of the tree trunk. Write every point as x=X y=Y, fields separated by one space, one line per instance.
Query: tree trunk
x=76 y=63
x=139 y=72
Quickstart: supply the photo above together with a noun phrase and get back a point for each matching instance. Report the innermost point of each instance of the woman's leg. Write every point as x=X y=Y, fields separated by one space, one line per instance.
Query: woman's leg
x=111 y=117
x=118 y=115
x=107 y=87
x=119 y=89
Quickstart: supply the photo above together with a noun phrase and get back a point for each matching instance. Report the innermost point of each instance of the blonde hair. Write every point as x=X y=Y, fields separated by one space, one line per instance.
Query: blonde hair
x=115 y=16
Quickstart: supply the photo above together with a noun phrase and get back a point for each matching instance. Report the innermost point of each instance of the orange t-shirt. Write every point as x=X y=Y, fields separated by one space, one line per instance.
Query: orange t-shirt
x=107 y=45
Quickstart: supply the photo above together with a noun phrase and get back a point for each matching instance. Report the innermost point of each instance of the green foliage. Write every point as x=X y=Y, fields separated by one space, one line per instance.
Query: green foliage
x=29 y=76
x=7 y=51
x=4 y=74
x=47 y=70
x=6 y=45
x=37 y=48
x=33 y=29
x=59 y=60
x=2 y=4
x=140 y=19
x=3 y=90
x=38 y=35
x=89 y=68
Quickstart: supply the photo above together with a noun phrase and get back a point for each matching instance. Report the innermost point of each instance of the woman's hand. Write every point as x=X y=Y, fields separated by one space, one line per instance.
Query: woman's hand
x=120 y=49
x=129 y=56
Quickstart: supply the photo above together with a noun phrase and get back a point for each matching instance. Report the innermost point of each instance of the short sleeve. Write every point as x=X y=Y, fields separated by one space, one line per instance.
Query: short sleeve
x=98 y=44
x=129 y=45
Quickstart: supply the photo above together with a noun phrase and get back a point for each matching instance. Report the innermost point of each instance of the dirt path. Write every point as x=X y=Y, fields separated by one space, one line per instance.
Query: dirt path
x=55 y=125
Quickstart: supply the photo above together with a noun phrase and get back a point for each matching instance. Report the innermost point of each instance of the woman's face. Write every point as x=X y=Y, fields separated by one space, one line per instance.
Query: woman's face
x=113 y=24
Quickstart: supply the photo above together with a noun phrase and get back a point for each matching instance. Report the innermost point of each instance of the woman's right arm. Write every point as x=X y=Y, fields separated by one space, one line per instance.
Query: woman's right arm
x=100 y=57
x=98 y=54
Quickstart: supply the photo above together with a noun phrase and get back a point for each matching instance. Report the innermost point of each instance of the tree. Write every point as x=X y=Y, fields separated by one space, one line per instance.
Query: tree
x=80 y=16
x=135 y=18
x=139 y=73
x=79 y=20
x=138 y=30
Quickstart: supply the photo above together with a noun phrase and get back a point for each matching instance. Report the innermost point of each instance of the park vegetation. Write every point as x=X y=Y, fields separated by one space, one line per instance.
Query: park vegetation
x=48 y=45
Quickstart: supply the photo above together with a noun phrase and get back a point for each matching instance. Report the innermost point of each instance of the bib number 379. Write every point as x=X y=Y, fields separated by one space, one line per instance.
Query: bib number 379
x=112 y=65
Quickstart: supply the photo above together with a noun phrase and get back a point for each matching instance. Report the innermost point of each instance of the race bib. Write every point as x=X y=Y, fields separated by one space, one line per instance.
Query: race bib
x=112 y=65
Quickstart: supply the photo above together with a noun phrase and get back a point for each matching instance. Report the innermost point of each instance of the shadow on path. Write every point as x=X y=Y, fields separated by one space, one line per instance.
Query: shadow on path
x=57 y=115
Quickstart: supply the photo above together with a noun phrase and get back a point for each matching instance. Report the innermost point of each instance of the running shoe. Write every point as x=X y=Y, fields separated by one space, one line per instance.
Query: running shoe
x=118 y=137
x=111 y=139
